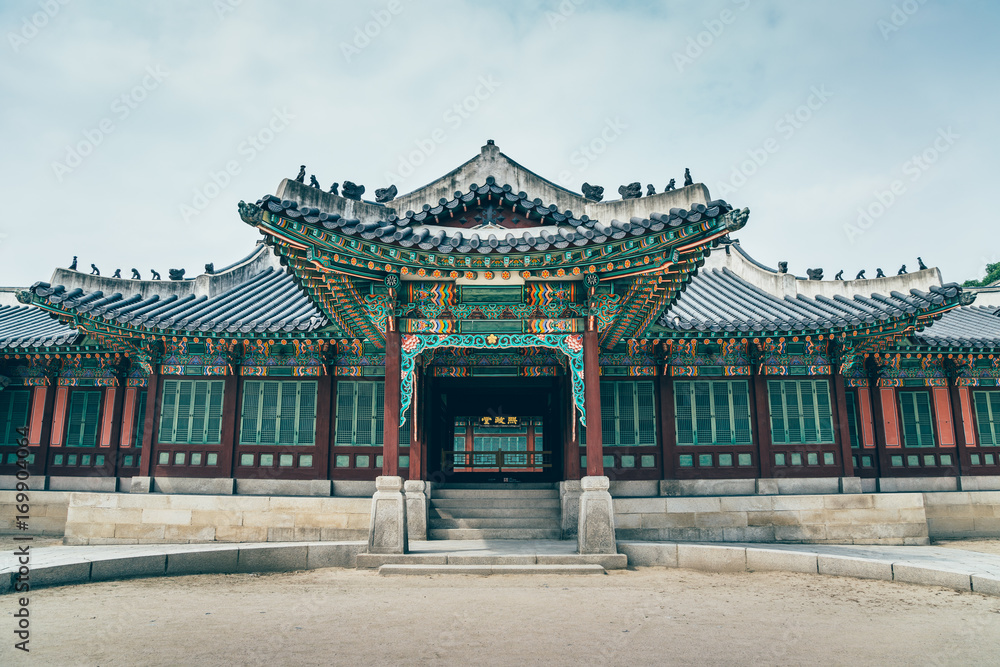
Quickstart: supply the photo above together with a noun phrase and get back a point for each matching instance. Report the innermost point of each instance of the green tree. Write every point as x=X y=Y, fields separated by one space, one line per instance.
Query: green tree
x=992 y=275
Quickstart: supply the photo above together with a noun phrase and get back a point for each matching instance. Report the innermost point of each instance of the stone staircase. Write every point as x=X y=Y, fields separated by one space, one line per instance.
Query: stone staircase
x=495 y=512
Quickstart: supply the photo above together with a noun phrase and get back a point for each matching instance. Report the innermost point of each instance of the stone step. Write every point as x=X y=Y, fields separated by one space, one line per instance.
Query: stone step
x=495 y=522
x=494 y=533
x=497 y=503
x=607 y=561
x=491 y=513
x=495 y=493
x=483 y=570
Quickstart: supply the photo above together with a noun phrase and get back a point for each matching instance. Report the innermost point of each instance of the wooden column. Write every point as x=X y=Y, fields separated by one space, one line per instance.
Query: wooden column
x=230 y=418
x=113 y=438
x=416 y=437
x=762 y=425
x=390 y=422
x=668 y=432
x=571 y=434
x=47 y=396
x=592 y=402
x=843 y=426
x=331 y=409
x=152 y=409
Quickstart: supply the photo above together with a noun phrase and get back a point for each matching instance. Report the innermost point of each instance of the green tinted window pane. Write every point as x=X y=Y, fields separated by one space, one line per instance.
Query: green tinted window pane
x=212 y=459
x=179 y=458
x=627 y=461
x=267 y=460
x=609 y=461
x=647 y=461
x=378 y=461
x=828 y=458
x=286 y=460
x=725 y=460
x=164 y=458
x=71 y=460
x=84 y=416
x=305 y=461
x=779 y=459
x=866 y=462
x=704 y=460
x=342 y=461
x=99 y=460
x=196 y=458
x=85 y=460
x=946 y=459
x=246 y=459
x=13 y=414
x=58 y=460
x=812 y=458
x=896 y=461
x=686 y=460
x=745 y=459
x=913 y=461
x=404 y=461
x=127 y=462
x=974 y=459
x=916 y=417
x=988 y=459
x=362 y=461
x=795 y=459
x=712 y=412
x=929 y=460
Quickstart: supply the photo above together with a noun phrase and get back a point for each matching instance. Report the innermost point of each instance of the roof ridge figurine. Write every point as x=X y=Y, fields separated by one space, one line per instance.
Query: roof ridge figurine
x=353 y=191
x=630 y=191
x=313 y=182
x=672 y=185
x=301 y=178
x=687 y=177
x=592 y=192
x=383 y=195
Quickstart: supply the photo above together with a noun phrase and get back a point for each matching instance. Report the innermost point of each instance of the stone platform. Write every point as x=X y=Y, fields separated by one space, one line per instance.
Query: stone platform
x=489 y=553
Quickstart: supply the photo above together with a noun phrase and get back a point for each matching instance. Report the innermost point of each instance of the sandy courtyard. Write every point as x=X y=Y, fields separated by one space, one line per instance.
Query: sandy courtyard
x=649 y=616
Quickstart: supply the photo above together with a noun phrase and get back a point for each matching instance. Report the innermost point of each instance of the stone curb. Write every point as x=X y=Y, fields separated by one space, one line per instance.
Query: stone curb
x=718 y=558
x=211 y=559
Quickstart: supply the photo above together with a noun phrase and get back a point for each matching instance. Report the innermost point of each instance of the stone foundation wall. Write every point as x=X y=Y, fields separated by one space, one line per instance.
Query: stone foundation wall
x=832 y=519
x=963 y=514
x=46 y=514
x=119 y=518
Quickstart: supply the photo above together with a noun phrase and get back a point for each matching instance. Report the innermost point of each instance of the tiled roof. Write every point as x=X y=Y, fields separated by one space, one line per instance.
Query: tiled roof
x=557 y=229
x=970 y=326
x=724 y=298
x=266 y=302
x=27 y=326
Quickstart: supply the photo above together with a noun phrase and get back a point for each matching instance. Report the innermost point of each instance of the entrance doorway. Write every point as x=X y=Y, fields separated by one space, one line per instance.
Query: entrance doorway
x=496 y=430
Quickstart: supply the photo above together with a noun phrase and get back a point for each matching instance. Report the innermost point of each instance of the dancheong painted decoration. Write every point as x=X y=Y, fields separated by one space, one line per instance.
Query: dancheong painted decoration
x=493 y=325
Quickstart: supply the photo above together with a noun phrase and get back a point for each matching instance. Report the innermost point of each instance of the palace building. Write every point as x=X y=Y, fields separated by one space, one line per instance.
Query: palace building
x=493 y=328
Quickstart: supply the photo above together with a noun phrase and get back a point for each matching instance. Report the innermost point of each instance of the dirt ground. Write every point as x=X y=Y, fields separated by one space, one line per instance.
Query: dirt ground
x=648 y=616
x=986 y=546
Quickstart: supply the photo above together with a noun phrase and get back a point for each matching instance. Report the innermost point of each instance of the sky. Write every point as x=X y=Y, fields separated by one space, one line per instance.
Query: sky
x=859 y=133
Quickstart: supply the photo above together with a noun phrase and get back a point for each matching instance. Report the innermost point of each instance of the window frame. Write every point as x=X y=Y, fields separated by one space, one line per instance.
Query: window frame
x=73 y=395
x=611 y=420
x=733 y=417
x=8 y=434
x=817 y=416
x=208 y=436
x=297 y=416
x=900 y=402
x=994 y=417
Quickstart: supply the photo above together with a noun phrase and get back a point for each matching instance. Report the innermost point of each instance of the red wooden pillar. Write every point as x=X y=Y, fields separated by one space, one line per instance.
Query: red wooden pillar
x=230 y=417
x=571 y=423
x=111 y=428
x=416 y=436
x=322 y=427
x=592 y=402
x=152 y=409
x=331 y=409
x=668 y=433
x=761 y=427
x=390 y=422
x=843 y=427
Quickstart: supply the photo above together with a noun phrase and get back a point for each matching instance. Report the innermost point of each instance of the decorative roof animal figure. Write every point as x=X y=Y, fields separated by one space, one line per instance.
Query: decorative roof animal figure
x=687 y=177
x=333 y=189
x=815 y=274
x=879 y=273
x=352 y=191
x=118 y=273
x=650 y=190
x=72 y=267
x=593 y=192
x=94 y=271
x=383 y=195
x=301 y=178
x=210 y=268
x=861 y=275
x=176 y=274
x=672 y=185
x=782 y=267
x=156 y=276
x=313 y=182
x=921 y=265
x=902 y=270
x=630 y=191
x=840 y=275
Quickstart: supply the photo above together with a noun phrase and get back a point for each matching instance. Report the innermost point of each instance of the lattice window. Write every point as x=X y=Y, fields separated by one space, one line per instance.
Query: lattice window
x=139 y=427
x=851 y=403
x=13 y=414
x=627 y=414
x=712 y=412
x=191 y=412
x=917 y=419
x=800 y=412
x=360 y=411
x=278 y=413
x=988 y=417
x=84 y=415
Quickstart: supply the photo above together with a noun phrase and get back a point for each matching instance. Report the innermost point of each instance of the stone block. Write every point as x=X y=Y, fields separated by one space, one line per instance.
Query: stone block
x=720 y=520
x=869 y=485
x=749 y=534
x=140 y=531
x=634 y=488
x=935 y=500
x=35 y=482
x=640 y=505
x=140 y=484
x=931 y=576
x=851 y=485
x=284 y=487
x=631 y=520
x=300 y=504
x=986 y=527
x=596 y=528
x=569 y=504
x=58 y=575
x=92 y=484
x=807 y=485
x=306 y=534
x=766 y=487
x=216 y=518
x=778 y=518
x=387 y=531
x=93 y=500
x=849 y=566
x=508 y=559
x=209 y=486
x=241 y=534
x=131 y=566
x=986 y=584
x=979 y=483
x=712 y=558
x=416 y=509
x=176 y=533
x=747 y=504
x=272 y=558
x=898 y=500
x=368 y=561
x=775 y=560
x=855 y=501
x=649 y=555
x=102 y=515
x=333 y=555
x=707 y=487
x=169 y=517
x=693 y=504
x=354 y=489
x=87 y=530
x=269 y=519
x=209 y=561
x=286 y=534
x=798 y=503
x=916 y=484
x=799 y=533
